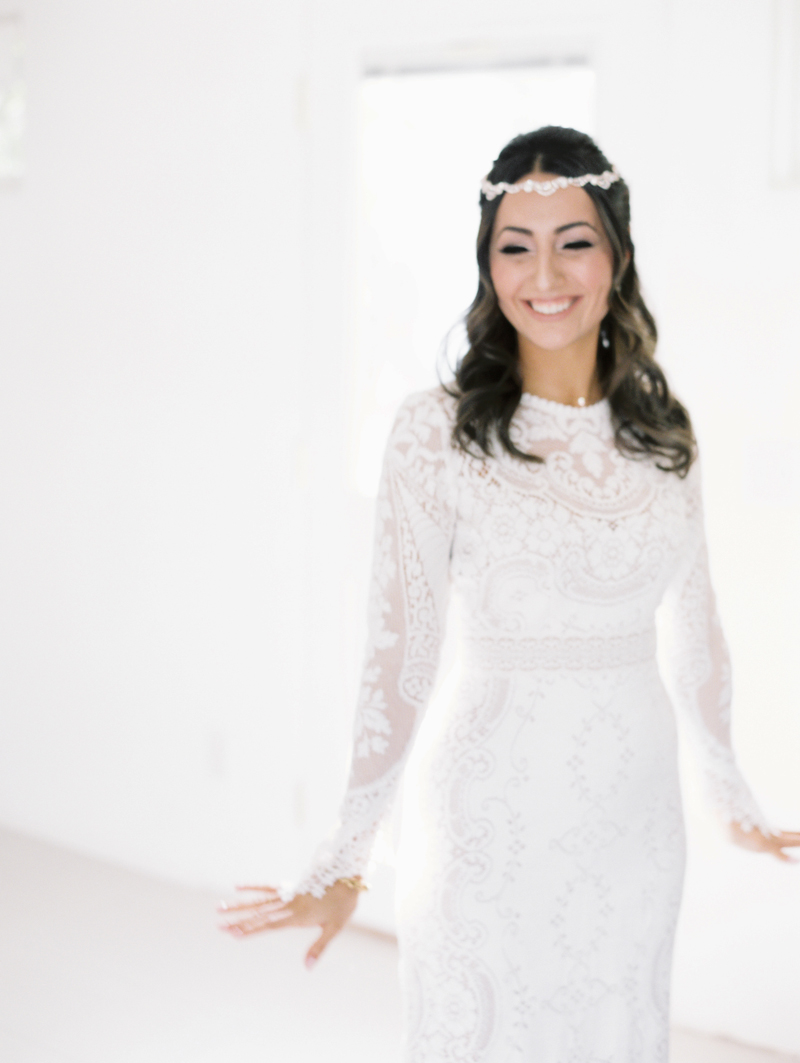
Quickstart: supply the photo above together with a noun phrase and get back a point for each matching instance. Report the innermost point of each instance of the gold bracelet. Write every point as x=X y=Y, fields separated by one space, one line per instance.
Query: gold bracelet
x=353 y=883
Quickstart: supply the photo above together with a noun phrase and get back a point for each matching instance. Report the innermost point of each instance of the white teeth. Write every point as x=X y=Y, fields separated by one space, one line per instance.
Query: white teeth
x=551 y=308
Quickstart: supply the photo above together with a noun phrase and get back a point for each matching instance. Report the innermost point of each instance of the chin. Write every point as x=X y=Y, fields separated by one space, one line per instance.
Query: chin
x=555 y=344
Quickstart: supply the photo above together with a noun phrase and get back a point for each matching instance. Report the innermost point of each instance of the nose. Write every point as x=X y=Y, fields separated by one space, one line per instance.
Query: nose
x=546 y=274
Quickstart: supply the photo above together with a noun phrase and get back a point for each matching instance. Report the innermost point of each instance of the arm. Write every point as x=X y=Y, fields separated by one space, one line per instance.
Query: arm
x=701 y=680
x=700 y=667
x=408 y=602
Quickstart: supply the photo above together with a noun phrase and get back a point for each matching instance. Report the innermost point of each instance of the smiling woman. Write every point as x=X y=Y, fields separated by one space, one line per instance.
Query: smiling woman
x=552 y=268
x=551 y=489
x=605 y=342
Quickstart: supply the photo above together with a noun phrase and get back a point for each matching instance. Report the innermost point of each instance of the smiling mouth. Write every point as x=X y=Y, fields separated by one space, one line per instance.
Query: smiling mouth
x=552 y=307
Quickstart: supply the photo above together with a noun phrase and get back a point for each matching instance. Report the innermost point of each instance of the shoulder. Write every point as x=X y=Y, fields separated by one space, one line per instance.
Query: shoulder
x=434 y=407
x=693 y=486
x=421 y=436
x=681 y=495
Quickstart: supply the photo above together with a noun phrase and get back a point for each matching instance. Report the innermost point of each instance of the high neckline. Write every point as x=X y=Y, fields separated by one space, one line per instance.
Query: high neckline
x=536 y=402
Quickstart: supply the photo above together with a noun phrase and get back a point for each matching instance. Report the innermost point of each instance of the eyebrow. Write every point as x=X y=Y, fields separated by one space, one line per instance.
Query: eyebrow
x=560 y=229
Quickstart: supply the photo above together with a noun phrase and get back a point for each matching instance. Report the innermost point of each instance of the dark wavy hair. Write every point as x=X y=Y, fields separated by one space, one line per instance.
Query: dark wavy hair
x=648 y=419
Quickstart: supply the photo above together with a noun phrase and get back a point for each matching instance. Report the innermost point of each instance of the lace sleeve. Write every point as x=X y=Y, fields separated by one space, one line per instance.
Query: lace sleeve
x=408 y=603
x=700 y=674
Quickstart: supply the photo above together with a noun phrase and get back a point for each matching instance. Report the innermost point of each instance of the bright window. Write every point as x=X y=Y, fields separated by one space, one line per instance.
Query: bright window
x=426 y=139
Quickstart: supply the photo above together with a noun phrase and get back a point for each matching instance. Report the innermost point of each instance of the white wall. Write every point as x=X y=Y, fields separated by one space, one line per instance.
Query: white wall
x=176 y=297
x=150 y=412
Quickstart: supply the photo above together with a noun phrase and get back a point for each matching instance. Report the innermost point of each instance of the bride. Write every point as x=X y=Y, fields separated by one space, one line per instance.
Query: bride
x=552 y=489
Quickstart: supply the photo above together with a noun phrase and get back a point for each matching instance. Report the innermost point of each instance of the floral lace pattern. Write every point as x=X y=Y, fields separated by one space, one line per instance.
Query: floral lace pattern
x=540 y=884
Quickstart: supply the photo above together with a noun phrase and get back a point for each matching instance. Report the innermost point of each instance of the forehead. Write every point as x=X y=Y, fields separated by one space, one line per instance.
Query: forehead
x=529 y=210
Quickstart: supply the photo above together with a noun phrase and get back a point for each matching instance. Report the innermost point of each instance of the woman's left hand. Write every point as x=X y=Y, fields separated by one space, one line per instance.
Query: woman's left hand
x=774 y=844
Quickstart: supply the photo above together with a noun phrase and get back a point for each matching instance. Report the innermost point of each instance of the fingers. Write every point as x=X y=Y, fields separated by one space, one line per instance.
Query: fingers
x=764 y=842
x=263 y=914
x=787 y=837
x=781 y=855
x=256 y=923
x=272 y=898
x=784 y=839
x=223 y=906
x=329 y=931
x=786 y=857
x=774 y=844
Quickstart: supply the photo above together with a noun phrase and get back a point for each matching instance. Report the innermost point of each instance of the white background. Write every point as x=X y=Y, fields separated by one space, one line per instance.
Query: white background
x=179 y=574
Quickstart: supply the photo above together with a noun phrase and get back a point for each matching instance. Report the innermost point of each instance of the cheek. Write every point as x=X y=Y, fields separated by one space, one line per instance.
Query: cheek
x=503 y=279
x=597 y=279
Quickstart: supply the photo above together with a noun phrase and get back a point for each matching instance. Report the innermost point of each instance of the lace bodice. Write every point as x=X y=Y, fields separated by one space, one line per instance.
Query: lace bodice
x=558 y=566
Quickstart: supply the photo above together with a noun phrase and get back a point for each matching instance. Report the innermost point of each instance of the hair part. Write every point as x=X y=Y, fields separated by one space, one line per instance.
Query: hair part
x=648 y=419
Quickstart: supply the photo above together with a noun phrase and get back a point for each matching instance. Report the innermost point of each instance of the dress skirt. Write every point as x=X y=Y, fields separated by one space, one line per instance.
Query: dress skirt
x=540 y=871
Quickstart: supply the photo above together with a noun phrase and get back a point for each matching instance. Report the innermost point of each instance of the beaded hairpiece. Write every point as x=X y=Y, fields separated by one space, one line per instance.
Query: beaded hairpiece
x=547 y=188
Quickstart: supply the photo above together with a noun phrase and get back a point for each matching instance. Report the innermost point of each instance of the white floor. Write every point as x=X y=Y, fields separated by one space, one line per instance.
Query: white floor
x=99 y=965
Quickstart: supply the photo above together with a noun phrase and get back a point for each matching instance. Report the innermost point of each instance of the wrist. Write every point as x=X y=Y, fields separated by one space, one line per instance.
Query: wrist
x=354 y=882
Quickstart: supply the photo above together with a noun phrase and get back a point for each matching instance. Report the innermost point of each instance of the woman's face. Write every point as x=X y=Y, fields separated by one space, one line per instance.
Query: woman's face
x=552 y=267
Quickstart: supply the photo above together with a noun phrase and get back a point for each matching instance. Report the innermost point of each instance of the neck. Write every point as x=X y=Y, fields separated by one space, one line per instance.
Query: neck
x=568 y=376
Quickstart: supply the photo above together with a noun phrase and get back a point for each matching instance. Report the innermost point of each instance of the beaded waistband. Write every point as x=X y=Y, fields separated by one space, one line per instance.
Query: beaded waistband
x=554 y=654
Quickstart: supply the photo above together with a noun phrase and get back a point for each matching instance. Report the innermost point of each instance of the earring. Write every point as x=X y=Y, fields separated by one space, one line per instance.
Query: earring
x=604 y=340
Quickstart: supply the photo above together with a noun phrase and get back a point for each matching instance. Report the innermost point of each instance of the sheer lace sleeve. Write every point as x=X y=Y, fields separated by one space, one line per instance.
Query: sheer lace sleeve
x=700 y=675
x=408 y=603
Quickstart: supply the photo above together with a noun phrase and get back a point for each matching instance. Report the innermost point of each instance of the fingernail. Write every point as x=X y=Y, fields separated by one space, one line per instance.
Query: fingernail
x=310 y=961
x=222 y=907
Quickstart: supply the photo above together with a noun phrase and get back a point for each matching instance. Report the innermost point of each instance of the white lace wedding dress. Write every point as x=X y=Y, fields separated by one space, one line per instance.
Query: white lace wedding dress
x=539 y=886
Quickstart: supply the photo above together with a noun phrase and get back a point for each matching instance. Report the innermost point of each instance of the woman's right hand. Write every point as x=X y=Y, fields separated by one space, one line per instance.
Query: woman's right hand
x=269 y=912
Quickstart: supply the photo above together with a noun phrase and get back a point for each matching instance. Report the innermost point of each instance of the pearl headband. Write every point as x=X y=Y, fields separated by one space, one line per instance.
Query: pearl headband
x=547 y=188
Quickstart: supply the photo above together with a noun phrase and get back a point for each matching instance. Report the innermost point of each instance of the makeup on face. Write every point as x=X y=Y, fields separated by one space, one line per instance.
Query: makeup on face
x=552 y=267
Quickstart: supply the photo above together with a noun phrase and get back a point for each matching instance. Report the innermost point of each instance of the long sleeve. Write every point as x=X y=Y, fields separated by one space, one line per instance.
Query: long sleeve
x=408 y=603
x=700 y=674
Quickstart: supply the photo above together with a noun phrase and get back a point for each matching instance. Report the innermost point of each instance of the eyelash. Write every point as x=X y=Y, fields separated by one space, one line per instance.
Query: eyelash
x=517 y=249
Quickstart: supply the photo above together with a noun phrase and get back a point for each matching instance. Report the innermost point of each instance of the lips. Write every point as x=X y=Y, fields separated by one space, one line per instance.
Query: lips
x=552 y=307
